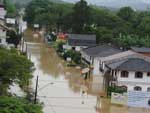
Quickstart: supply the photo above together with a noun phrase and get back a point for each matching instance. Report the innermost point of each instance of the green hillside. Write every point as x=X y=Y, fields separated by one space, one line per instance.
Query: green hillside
x=27 y=1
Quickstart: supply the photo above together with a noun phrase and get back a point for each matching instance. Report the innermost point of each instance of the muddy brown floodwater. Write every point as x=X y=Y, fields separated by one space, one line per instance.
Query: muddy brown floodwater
x=62 y=89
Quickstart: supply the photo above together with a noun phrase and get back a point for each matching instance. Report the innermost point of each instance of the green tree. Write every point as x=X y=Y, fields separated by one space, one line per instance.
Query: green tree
x=103 y=35
x=18 y=105
x=81 y=16
x=13 y=37
x=14 y=68
x=144 y=27
x=10 y=7
x=126 y=13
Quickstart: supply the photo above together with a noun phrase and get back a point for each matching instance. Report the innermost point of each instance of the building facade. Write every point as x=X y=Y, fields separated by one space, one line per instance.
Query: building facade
x=132 y=73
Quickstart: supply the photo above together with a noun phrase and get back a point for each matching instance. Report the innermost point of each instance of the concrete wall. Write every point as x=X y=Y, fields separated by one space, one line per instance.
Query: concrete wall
x=3 y=37
x=2 y=33
x=3 y=41
x=2 y=13
x=131 y=81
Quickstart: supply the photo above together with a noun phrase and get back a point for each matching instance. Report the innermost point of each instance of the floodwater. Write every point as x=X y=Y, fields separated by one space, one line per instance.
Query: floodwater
x=62 y=89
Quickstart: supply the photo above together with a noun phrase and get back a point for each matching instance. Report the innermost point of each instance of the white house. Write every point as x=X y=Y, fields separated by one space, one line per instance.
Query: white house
x=99 y=51
x=132 y=74
x=100 y=62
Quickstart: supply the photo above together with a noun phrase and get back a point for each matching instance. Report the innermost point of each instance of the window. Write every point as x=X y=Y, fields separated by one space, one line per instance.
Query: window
x=148 y=89
x=0 y=40
x=124 y=74
x=138 y=75
x=137 y=88
x=148 y=74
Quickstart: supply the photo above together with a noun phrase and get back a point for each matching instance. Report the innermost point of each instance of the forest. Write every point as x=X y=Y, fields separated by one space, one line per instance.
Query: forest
x=125 y=27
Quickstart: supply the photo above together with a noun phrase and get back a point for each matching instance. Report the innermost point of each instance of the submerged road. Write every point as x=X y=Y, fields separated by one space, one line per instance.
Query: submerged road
x=62 y=89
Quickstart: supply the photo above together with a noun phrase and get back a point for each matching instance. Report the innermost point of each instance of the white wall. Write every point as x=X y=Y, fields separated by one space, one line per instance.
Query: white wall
x=2 y=13
x=3 y=41
x=131 y=78
x=3 y=36
x=2 y=33
x=132 y=82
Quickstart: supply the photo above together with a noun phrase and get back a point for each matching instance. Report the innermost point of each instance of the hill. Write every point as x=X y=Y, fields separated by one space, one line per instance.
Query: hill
x=27 y=1
x=135 y=4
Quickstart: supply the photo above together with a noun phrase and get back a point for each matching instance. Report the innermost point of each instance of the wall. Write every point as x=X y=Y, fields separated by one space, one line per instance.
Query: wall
x=2 y=13
x=3 y=41
x=2 y=33
x=131 y=81
x=3 y=36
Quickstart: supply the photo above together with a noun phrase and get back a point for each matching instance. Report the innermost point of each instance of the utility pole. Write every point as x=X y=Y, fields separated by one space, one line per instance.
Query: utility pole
x=35 y=97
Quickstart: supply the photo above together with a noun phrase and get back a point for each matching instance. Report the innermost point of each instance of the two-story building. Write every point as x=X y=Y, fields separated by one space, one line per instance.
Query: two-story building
x=100 y=62
x=131 y=73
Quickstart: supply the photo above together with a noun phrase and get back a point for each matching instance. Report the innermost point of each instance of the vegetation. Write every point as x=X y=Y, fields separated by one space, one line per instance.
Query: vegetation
x=14 y=38
x=74 y=55
x=10 y=7
x=14 y=68
x=116 y=89
x=18 y=105
x=84 y=18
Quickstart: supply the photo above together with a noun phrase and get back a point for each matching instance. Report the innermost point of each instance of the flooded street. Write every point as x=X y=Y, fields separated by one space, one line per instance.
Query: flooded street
x=62 y=89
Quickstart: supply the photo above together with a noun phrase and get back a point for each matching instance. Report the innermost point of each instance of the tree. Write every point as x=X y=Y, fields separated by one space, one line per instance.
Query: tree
x=81 y=16
x=126 y=13
x=144 y=27
x=18 y=105
x=14 y=68
x=13 y=37
x=11 y=9
x=104 y=35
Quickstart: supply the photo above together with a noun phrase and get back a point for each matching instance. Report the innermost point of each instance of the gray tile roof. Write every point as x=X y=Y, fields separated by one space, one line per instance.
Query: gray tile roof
x=131 y=64
x=101 y=51
x=81 y=40
x=141 y=49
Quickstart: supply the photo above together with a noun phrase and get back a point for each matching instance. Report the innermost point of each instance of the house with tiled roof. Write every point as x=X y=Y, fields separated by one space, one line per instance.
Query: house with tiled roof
x=130 y=73
x=98 y=51
x=80 y=41
x=142 y=50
